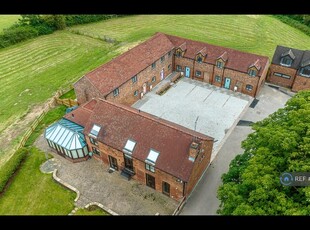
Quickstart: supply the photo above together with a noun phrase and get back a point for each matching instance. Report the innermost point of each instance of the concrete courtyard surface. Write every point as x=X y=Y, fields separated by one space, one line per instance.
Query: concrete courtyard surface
x=203 y=200
x=115 y=192
x=198 y=106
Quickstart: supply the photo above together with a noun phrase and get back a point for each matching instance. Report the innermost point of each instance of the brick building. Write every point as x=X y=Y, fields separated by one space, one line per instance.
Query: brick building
x=165 y=156
x=129 y=76
x=290 y=68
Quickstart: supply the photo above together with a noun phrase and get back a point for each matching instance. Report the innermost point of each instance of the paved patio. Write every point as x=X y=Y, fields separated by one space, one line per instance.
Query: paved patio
x=96 y=184
x=198 y=106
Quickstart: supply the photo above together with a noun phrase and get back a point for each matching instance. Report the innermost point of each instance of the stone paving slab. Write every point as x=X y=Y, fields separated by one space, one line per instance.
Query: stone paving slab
x=198 y=106
x=96 y=184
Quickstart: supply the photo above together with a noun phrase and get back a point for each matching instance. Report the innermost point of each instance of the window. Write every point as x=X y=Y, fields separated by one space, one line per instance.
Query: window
x=198 y=73
x=199 y=59
x=179 y=68
x=115 y=92
x=166 y=188
x=287 y=61
x=249 y=87
x=219 y=64
x=218 y=79
x=154 y=65
x=134 y=79
x=93 y=141
x=169 y=67
x=149 y=167
x=153 y=79
x=252 y=72
x=136 y=93
x=95 y=130
x=178 y=53
x=282 y=75
x=305 y=71
x=169 y=53
x=129 y=147
x=162 y=58
x=96 y=151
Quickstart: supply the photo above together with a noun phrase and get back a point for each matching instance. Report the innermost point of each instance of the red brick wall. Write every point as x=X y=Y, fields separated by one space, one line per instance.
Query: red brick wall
x=85 y=91
x=176 y=188
x=206 y=72
x=126 y=91
x=244 y=79
x=280 y=80
x=200 y=164
x=184 y=62
x=262 y=78
x=301 y=83
x=218 y=72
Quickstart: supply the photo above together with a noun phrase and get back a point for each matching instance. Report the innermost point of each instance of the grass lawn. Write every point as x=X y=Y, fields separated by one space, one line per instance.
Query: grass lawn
x=69 y=95
x=35 y=193
x=92 y=210
x=32 y=71
x=7 y=20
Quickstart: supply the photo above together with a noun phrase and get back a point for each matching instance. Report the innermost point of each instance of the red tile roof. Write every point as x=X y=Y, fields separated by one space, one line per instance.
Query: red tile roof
x=113 y=74
x=237 y=60
x=82 y=114
x=121 y=69
x=120 y=123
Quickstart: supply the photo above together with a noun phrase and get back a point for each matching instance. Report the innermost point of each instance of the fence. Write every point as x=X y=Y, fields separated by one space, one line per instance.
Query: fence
x=67 y=102
x=47 y=107
x=180 y=206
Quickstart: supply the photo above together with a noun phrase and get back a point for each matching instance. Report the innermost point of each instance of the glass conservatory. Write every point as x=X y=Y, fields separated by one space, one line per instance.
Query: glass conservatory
x=67 y=138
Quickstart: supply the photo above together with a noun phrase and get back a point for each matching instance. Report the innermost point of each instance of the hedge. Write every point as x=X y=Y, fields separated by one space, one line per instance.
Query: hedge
x=13 y=164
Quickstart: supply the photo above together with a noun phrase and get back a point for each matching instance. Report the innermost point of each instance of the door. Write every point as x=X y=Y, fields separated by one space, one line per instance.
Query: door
x=144 y=88
x=187 y=71
x=227 y=83
x=166 y=188
x=206 y=77
x=150 y=181
x=162 y=74
x=128 y=163
x=113 y=162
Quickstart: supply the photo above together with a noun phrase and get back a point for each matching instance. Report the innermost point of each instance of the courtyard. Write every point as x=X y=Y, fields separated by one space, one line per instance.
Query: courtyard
x=198 y=106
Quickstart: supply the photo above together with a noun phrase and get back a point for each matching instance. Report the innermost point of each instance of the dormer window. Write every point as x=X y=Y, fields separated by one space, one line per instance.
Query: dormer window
x=178 y=53
x=151 y=160
x=129 y=146
x=199 y=59
x=95 y=130
x=286 y=61
x=252 y=72
x=219 y=64
x=305 y=71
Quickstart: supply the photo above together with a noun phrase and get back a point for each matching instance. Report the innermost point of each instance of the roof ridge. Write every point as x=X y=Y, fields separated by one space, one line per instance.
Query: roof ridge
x=133 y=48
x=151 y=117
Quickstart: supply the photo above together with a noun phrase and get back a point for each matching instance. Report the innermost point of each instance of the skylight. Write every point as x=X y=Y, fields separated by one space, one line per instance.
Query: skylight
x=130 y=145
x=152 y=157
x=95 y=130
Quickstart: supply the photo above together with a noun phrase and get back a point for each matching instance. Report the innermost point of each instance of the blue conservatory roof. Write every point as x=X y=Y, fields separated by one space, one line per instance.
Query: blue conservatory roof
x=67 y=134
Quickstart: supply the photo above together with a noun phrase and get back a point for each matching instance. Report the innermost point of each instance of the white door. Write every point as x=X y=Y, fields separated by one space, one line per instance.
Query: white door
x=162 y=74
x=144 y=88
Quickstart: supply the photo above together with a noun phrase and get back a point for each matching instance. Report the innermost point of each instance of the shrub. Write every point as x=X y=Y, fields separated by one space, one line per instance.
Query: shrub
x=14 y=35
x=7 y=170
x=296 y=22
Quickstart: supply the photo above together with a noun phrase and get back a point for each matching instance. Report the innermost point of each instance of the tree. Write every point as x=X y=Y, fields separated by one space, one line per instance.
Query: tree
x=279 y=143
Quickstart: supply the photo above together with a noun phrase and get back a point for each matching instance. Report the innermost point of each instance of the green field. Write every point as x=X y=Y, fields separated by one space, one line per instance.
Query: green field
x=7 y=20
x=35 y=193
x=32 y=71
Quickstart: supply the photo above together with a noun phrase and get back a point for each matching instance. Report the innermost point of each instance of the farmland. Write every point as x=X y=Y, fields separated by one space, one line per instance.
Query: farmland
x=7 y=20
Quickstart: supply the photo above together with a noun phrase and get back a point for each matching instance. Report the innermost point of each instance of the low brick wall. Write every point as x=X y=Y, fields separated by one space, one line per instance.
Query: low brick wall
x=164 y=88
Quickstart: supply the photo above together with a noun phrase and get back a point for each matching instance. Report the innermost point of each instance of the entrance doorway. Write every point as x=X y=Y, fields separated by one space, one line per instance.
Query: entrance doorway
x=150 y=181
x=113 y=162
x=227 y=83
x=187 y=71
x=144 y=88
x=162 y=74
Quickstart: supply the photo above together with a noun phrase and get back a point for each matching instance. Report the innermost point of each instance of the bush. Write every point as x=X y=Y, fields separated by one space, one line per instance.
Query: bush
x=14 y=35
x=296 y=22
x=7 y=170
